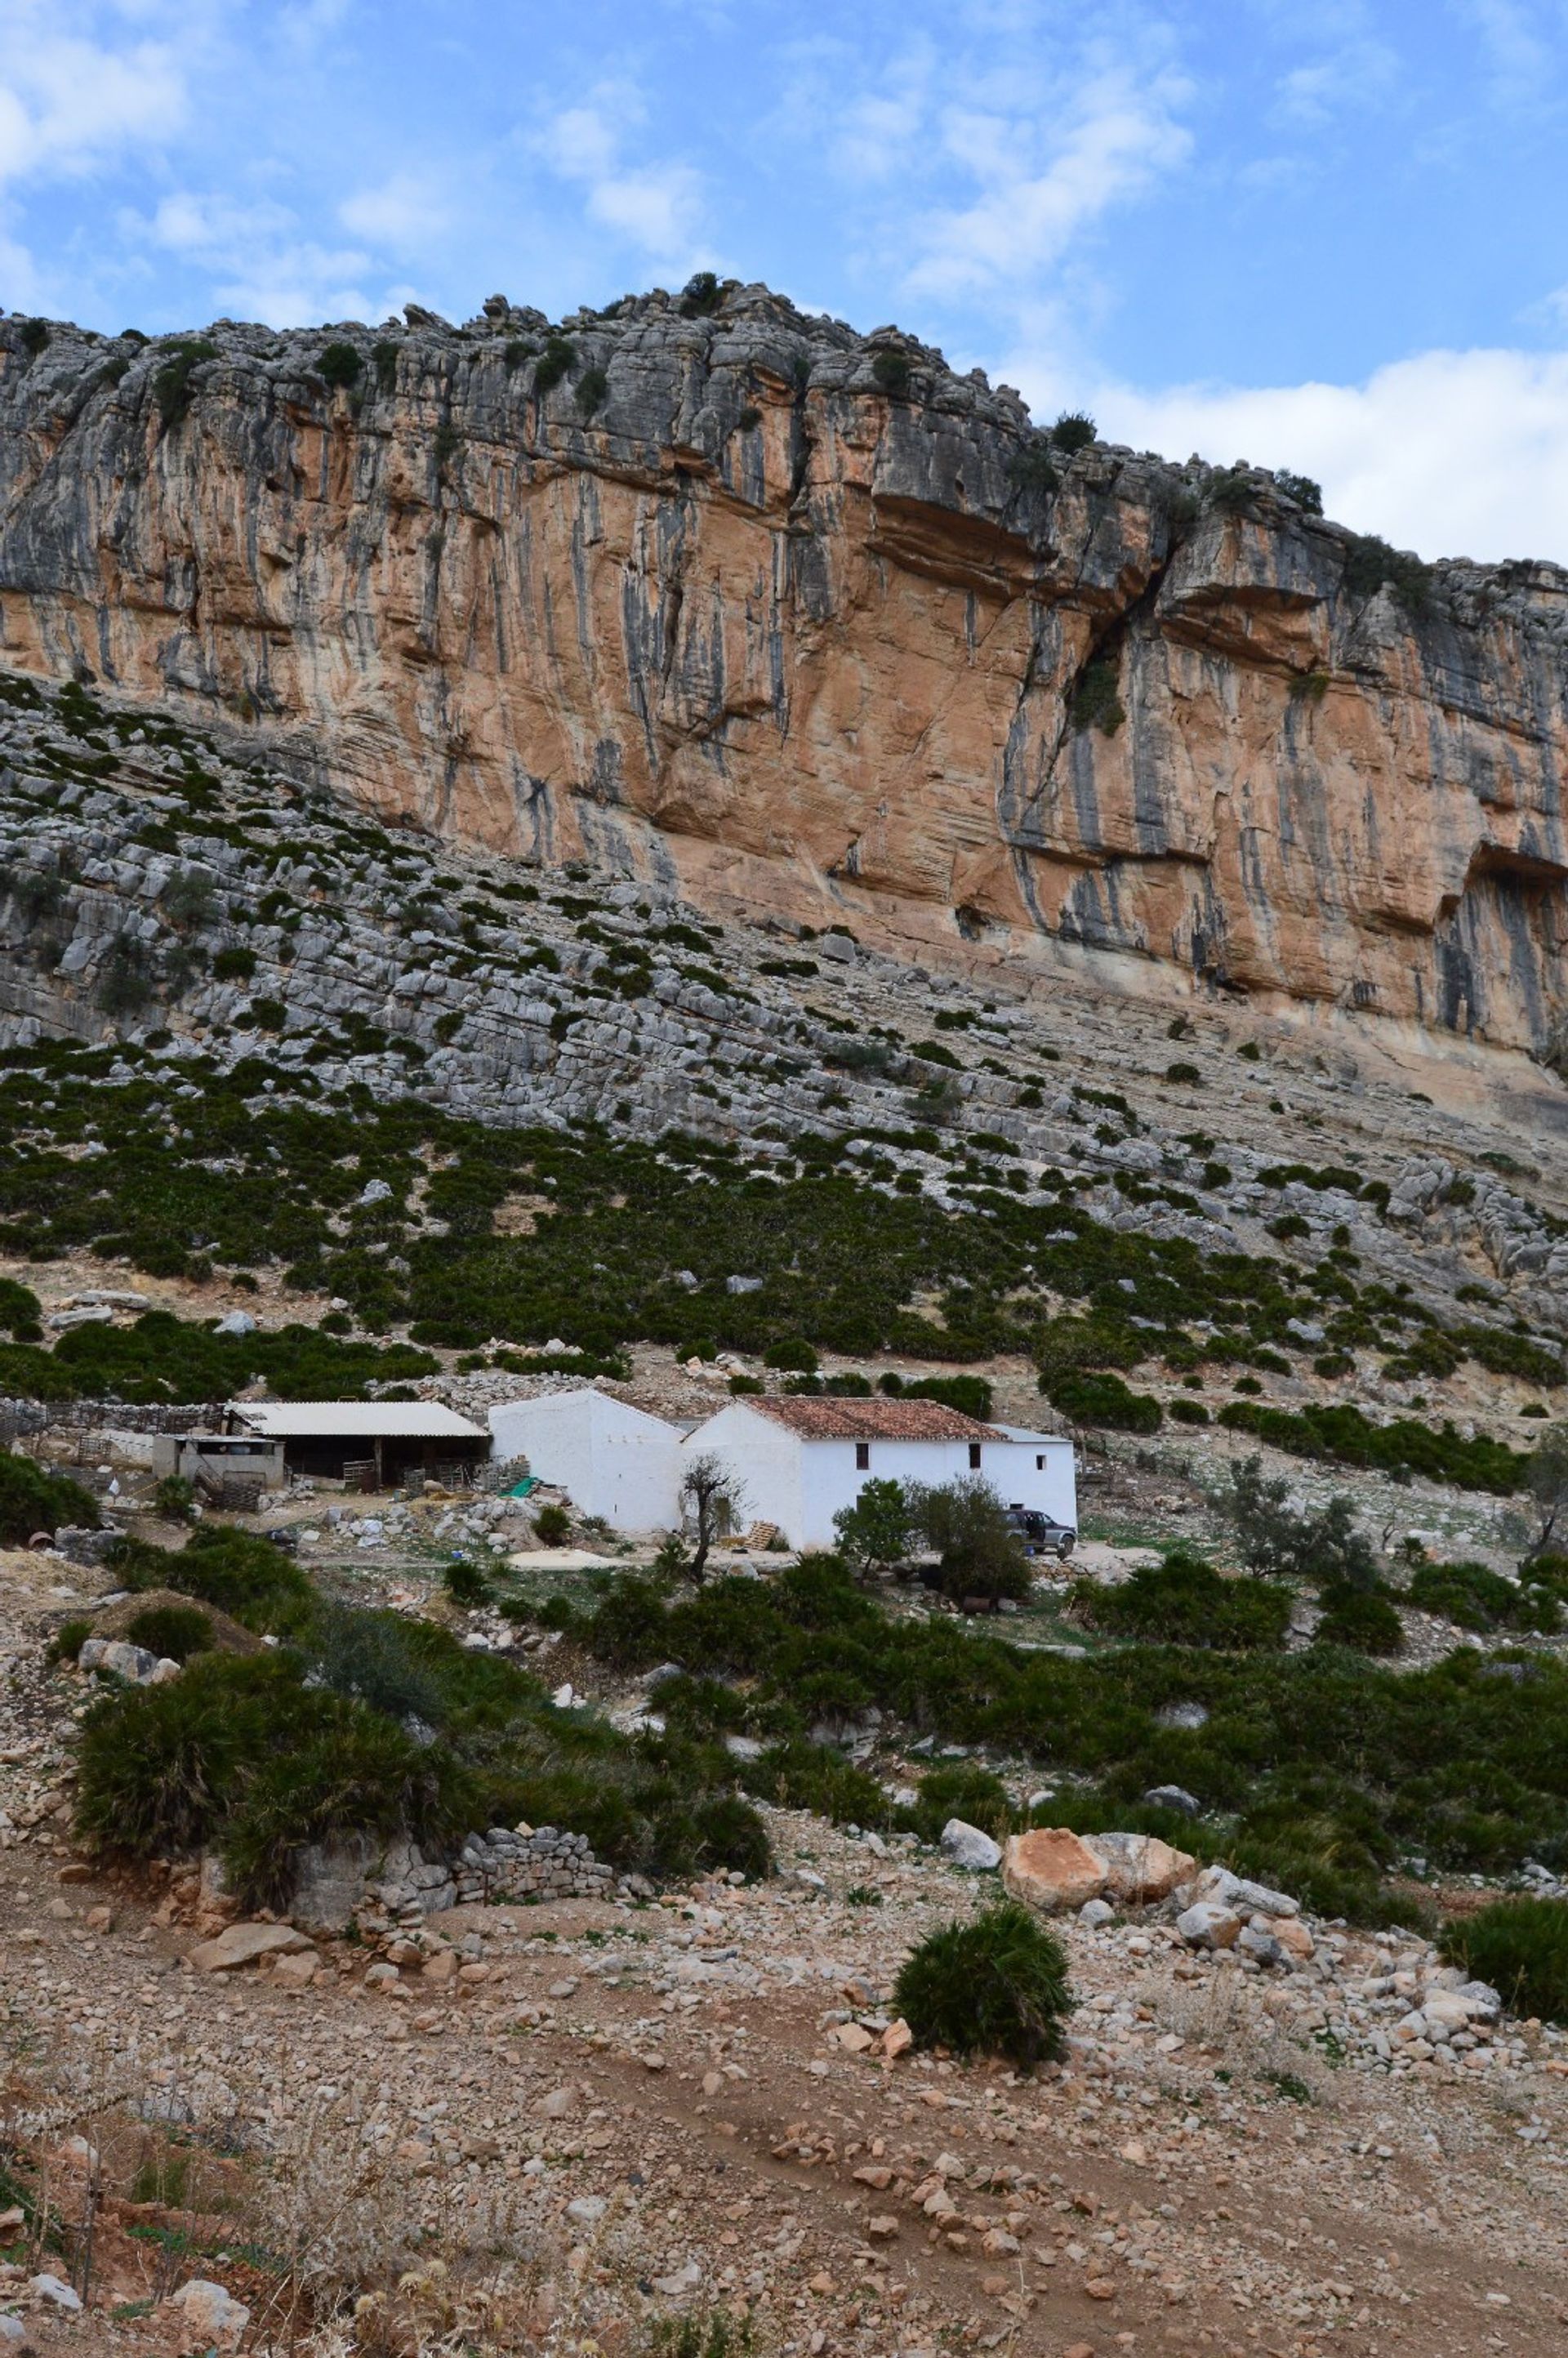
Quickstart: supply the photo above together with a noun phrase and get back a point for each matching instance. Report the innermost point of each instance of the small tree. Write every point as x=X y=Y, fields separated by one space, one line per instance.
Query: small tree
x=1322 y=1548
x=711 y=1500
x=980 y=1554
x=873 y=1534
x=1549 y=1486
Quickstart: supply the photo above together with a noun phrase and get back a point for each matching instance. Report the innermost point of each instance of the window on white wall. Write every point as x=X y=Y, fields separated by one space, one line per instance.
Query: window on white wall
x=862 y=1456
x=1040 y=1465
x=975 y=1456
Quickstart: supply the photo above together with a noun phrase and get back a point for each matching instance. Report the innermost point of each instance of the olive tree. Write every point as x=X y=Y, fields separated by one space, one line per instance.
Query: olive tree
x=711 y=1499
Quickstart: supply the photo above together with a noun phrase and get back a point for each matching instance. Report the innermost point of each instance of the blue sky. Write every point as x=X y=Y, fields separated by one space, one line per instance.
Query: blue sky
x=1332 y=237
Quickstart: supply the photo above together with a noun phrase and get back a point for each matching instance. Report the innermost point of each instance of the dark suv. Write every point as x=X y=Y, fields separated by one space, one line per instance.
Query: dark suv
x=1040 y=1535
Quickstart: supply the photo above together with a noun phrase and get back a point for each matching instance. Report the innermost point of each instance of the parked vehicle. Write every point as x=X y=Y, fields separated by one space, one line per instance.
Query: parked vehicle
x=1041 y=1535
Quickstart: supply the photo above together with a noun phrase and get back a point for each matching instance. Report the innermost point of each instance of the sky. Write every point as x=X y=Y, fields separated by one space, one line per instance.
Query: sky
x=1323 y=234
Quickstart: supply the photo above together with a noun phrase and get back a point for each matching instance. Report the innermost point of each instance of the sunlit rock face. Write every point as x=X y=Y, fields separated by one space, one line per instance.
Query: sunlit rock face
x=797 y=619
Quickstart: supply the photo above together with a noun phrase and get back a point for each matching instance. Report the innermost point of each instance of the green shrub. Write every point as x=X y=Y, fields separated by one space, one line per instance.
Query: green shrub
x=1369 y=562
x=1188 y=1412
x=173 y=388
x=1344 y=1433
x=801 y=1776
x=174 y=1632
x=243 y=1575
x=1183 y=1075
x=383 y=356
x=996 y=1985
x=553 y=363
x=702 y=295
x=591 y=389
x=1103 y=1399
x=465 y=1584
x=125 y=983
x=980 y=1554
x=552 y=1526
x=1074 y=431
x=971 y=1395
x=32 y=1499
x=1477 y=1598
x=340 y=366
x=1321 y=1545
x=966 y=1790
x=873 y=1534
x=1096 y=703
x=892 y=372
x=1364 y=1618
x=1520 y=1947
x=174 y=1497
x=234 y=964
x=792 y=1355
x=1185 y=1602
x=34 y=336
x=749 y=418
x=68 y=1640
x=1030 y=469
x=1307 y=494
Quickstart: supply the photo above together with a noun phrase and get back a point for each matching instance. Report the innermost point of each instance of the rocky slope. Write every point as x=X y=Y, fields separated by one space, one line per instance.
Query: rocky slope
x=797 y=621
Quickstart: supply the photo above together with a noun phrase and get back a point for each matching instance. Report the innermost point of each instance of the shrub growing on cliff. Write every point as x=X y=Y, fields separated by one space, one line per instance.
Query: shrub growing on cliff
x=1370 y=563
x=1074 y=430
x=553 y=363
x=340 y=366
x=33 y=335
x=996 y=1985
x=890 y=372
x=1032 y=467
x=173 y=386
x=1096 y=701
x=702 y=295
x=383 y=357
x=591 y=388
x=1307 y=495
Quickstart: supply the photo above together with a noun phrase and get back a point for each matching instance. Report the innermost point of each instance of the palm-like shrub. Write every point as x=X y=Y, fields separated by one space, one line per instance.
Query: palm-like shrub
x=996 y=1985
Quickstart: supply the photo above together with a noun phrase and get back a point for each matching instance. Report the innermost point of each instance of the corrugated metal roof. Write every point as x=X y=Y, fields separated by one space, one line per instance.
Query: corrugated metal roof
x=392 y=1419
x=873 y=1419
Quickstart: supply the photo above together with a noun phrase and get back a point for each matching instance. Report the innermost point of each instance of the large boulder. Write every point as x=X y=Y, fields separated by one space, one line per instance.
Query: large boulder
x=247 y=1944
x=1051 y=1870
x=1138 y=1868
x=1238 y=1892
x=968 y=1847
x=1210 y=1924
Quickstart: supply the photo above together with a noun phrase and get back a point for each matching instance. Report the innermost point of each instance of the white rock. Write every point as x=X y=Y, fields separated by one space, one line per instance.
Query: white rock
x=211 y=2313
x=1208 y=1924
x=55 y=2290
x=1096 y=1913
x=968 y=1847
x=236 y=1322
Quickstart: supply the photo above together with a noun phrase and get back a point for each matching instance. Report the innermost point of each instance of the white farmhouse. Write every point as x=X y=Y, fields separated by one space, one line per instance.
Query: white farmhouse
x=796 y=1462
x=612 y=1460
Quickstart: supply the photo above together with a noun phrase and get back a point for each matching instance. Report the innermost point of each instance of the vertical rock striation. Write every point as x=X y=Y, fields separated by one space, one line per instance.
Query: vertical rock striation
x=805 y=624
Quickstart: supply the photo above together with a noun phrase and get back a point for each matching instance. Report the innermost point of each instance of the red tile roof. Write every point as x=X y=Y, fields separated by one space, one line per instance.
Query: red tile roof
x=874 y=1419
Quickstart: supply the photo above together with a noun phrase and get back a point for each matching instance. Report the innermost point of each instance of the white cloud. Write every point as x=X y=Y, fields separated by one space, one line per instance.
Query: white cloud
x=261 y=266
x=657 y=207
x=69 y=101
x=1044 y=176
x=406 y=209
x=1451 y=453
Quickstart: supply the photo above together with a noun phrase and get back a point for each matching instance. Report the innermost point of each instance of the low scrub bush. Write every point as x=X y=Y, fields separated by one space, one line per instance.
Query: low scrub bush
x=996 y=1985
x=173 y=1632
x=800 y=1775
x=32 y=1499
x=1364 y=1618
x=1480 y=1599
x=966 y=1790
x=1346 y=1435
x=552 y=1525
x=1185 y=1602
x=465 y=1584
x=245 y=1577
x=1520 y=1947
x=1103 y=1399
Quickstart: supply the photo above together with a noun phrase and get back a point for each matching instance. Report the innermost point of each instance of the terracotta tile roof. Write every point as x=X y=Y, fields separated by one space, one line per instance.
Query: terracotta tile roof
x=874 y=1419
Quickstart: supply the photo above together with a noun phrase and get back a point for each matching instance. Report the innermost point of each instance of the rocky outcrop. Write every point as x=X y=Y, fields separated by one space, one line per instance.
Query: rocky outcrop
x=803 y=624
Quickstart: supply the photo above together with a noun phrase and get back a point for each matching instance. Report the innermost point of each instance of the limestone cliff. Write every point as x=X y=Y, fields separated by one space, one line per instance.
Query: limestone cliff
x=809 y=624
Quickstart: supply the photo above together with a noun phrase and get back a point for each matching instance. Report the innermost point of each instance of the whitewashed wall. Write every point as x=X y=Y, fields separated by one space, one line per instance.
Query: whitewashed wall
x=612 y=1460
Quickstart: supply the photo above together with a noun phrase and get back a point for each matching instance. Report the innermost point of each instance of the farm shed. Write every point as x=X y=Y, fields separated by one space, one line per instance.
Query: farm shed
x=395 y=1438
x=612 y=1460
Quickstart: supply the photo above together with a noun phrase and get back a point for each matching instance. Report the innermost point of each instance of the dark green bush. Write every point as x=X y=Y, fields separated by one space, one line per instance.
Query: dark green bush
x=174 y=1632
x=1185 y=1602
x=1030 y=469
x=1477 y=1598
x=1369 y=562
x=892 y=372
x=593 y=387
x=702 y=295
x=32 y=1499
x=1364 y=1618
x=1307 y=494
x=971 y=1395
x=340 y=366
x=385 y=357
x=1319 y=1545
x=173 y=386
x=552 y=1526
x=1520 y=1947
x=801 y=1776
x=1346 y=1434
x=553 y=363
x=1096 y=702
x=996 y=1985
x=1074 y=430
x=243 y=1575
x=1103 y=1399
x=34 y=336
x=979 y=1555
x=69 y=1638
x=234 y=964
x=465 y=1584
x=792 y=1355
x=966 y=1790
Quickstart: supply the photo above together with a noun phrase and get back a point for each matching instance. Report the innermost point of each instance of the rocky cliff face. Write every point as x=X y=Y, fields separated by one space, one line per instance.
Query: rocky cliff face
x=802 y=623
